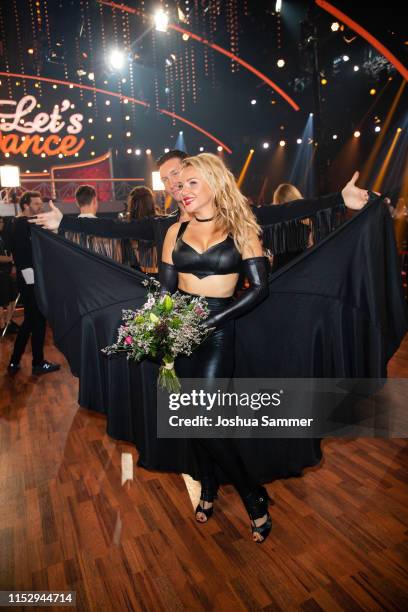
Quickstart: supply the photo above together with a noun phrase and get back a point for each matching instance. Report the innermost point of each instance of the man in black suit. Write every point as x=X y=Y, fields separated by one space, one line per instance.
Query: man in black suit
x=34 y=323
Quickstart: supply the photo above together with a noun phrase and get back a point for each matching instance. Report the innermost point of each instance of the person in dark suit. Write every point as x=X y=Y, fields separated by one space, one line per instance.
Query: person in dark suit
x=34 y=323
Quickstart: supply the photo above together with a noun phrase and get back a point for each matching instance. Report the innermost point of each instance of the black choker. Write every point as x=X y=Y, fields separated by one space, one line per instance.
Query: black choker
x=203 y=220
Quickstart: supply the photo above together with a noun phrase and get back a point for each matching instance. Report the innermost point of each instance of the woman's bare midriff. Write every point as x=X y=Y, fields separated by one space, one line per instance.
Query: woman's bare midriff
x=217 y=285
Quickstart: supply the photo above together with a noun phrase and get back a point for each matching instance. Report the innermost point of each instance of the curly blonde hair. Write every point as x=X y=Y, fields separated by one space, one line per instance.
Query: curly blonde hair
x=232 y=211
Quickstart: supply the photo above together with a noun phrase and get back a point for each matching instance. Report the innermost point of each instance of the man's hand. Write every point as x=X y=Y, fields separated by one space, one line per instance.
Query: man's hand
x=50 y=220
x=354 y=197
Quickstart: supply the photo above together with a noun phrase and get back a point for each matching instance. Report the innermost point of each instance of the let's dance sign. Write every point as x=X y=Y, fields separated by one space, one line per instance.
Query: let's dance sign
x=22 y=131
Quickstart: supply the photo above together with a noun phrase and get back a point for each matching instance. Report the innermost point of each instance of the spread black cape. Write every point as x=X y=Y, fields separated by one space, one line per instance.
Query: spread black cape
x=337 y=310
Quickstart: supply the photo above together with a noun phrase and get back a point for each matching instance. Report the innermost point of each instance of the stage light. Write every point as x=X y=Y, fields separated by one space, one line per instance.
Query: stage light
x=280 y=63
x=310 y=114
x=356 y=68
x=116 y=59
x=299 y=141
x=377 y=128
x=109 y=135
x=201 y=149
x=54 y=86
x=166 y=150
x=335 y=26
x=323 y=81
x=399 y=129
x=107 y=102
x=125 y=101
x=92 y=137
x=71 y=86
x=92 y=153
x=76 y=154
x=282 y=143
x=91 y=76
x=265 y=145
x=128 y=151
x=157 y=184
x=127 y=118
x=357 y=134
x=36 y=85
x=27 y=171
x=219 y=148
x=253 y=101
x=161 y=21
x=30 y=51
x=181 y=133
x=45 y=171
x=42 y=154
x=138 y=152
x=128 y=134
x=108 y=119
x=89 y=104
x=9 y=175
x=185 y=37
x=7 y=155
x=278 y=6
x=72 y=106
x=41 y=138
x=345 y=58
x=334 y=136
x=148 y=151
x=123 y=80
x=90 y=120
x=372 y=92
x=60 y=155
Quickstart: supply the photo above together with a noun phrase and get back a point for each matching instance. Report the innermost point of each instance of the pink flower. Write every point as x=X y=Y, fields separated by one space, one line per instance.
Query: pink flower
x=128 y=340
x=198 y=310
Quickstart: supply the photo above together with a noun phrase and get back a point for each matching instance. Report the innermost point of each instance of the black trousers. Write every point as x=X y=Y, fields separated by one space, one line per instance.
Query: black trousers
x=215 y=359
x=33 y=325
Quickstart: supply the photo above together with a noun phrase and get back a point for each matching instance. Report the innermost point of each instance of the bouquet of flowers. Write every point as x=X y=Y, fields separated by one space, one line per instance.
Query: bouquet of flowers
x=163 y=328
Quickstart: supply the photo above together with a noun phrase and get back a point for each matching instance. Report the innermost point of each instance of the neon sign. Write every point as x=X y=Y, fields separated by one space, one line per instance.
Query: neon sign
x=31 y=141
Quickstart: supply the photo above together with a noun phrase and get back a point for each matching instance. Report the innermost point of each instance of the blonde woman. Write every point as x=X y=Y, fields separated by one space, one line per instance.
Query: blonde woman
x=204 y=256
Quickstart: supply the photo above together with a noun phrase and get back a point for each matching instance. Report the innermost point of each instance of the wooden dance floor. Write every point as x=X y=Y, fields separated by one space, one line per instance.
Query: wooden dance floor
x=76 y=514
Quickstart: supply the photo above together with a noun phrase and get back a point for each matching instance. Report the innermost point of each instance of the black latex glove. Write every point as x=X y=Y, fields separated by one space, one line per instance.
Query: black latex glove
x=168 y=278
x=255 y=270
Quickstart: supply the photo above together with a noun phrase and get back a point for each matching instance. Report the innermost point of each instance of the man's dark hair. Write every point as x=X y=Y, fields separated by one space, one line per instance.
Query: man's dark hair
x=25 y=199
x=84 y=195
x=170 y=155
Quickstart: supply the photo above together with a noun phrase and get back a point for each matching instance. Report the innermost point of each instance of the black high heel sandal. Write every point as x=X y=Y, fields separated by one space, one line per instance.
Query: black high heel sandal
x=256 y=504
x=209 y=488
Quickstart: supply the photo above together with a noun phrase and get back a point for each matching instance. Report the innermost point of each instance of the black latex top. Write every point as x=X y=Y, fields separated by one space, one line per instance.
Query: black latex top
x=221 y=258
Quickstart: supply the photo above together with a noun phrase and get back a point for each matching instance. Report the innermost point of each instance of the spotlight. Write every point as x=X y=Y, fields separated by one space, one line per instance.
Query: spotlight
x=345 y=58
x=108 y=119
x=127 y=118
x=161 y=21
x=185 y=37
x=54 y=86
x=92 y=153
x=299 y=141
x=125 y=101
x=266 y=145
x=109 y=135
x=90 y=120
x=310 y=114
x=219 y=148
x=91 y=76
x=138 y=152
x=356 y=68
x=107 y=102
x=116 y=59
x=280 y=63
x=128 y=151
x=30 y=51
x=181 y=133
x=166 y=150
x=377 y=128
x=323 y=81
x=123 y=80
x=148 y=151
x=372 y=92
x=278 y=6
x=201 y=149
x=89 y=104
x=282 y=143
x=334 y=136
x=128 y=134
x=253 y=101
x=335 y=26
x=357 y=134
